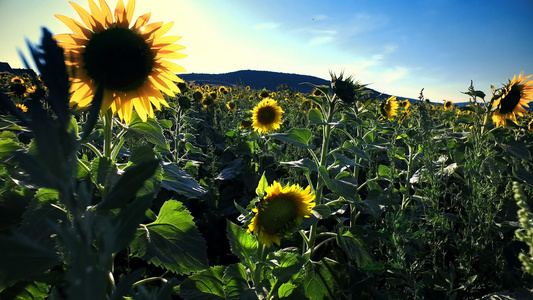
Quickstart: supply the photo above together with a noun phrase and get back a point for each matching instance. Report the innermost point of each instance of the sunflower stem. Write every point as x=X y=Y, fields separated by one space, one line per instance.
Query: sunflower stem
x=108 y=135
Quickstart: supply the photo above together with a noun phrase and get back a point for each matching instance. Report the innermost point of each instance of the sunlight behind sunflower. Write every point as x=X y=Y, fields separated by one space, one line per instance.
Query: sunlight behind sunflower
x=266 y=116
x=129 y=61
x=514 y=96
x=279 y=211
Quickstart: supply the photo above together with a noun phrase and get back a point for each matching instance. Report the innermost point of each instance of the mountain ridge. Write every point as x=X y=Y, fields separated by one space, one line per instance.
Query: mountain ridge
x=257 y=79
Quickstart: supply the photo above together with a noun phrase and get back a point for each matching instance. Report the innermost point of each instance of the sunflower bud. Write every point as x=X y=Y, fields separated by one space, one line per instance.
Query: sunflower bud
x=344 y=88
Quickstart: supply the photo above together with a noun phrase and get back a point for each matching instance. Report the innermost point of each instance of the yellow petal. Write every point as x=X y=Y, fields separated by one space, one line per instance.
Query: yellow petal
x=141 y=21
x=75 y=26
x=167 y=40
x=163 y=29
x=120 y=15
x=86 y=17
x=107 y=13
x=129 y=11
x=170 y=66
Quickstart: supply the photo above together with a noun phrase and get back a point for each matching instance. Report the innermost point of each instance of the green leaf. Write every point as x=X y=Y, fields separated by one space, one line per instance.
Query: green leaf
x=235 y=281
x=354 y=149
x=290 y=264
x=25 y=290
x=125 y=224
x=175 y=179
x=242 y=243
x=296 y=136
x=345 y=186
x=353 y=247
x=7 y=146
x=172 y=241
x=315 y=116
x=23 y=258
x=42 y=212
x=384 y=171
x=204 y=285
x=104 y=171
x=128 y=184
x=516 y=149
x=142 y=153
x=322 y=280
x=149 y=129
x=231 y=170
x=261 y=186
x=286 y=289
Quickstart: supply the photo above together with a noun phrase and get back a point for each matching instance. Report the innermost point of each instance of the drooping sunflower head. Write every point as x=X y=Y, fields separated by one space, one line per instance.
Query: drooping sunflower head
x=280 y=210
x=389 y=108
x=514 y=96
x=130 y=62
x=266 y=116
x=306 y=105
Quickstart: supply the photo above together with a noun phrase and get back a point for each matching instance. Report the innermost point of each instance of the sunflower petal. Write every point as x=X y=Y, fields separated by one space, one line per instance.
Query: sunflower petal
x=106 y=11
x=141 y=21
x=75 y=26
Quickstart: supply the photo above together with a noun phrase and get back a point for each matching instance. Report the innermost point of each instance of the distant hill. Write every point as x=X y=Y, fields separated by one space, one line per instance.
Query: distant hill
x=262 y=79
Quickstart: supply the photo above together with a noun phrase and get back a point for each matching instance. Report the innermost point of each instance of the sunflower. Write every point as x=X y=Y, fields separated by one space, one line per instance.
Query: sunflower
x=389 y=108
x=198 y=95
x=247 y=88
x=128 y=61
x=317 y=93
x=223 y=90
x=448 y=105
x=281 y=209
x=514 y=96
x=264 y=94
x=266 y=116
x=22 y=107
x=231 y=105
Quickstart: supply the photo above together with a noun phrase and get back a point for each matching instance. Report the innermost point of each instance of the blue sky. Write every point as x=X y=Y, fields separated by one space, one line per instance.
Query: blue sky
x=397 y=47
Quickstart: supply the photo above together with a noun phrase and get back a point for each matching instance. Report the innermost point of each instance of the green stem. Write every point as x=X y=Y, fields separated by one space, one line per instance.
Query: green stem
x=108 y=133
x=146 y=280
x=93 y=149
x=407 y=198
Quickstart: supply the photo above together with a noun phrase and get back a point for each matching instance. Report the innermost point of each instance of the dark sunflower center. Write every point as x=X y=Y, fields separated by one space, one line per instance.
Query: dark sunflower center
x=266 y=115
x=278 y=215
x=509 y=102
x=121 y=57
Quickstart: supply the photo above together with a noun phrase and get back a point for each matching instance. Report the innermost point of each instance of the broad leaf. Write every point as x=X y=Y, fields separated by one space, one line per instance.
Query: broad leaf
x=149 y=129
x=296 y=136
x=129 y=183
x=353 y=247
x=323 y=279
x=23 y=258
x=175 y=179
x=261 y=186
x=242 y=243
x=204 y=285
x=235 y=281
x=172 y=241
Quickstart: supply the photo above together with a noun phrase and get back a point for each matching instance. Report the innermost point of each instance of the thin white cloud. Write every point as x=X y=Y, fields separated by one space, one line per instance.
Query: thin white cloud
x=266 y=26
x=320 y=17
x=320 y=40
x=394 y=74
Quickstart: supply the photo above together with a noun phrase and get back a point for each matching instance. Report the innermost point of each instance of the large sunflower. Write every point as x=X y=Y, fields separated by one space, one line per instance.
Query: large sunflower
x=281 y=209
x=448 y=105
x=266 y=116
x=514 y=96
x=389 y=108
x=128 y=61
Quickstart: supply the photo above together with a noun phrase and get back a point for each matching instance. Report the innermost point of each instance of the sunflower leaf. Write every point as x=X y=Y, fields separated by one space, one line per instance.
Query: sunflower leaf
x=353 y=247
x=128 y=184
x=18 y=248
x=322 y=280
x=261 y=186
x=296 y=136
x=242 y=243
x=235 y=281
x=149 y=129
x=206 y=285
x=172 y=241
x=177 y=180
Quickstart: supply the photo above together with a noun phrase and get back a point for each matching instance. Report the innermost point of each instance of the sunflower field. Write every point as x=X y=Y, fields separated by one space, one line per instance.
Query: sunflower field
x=120 y=181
